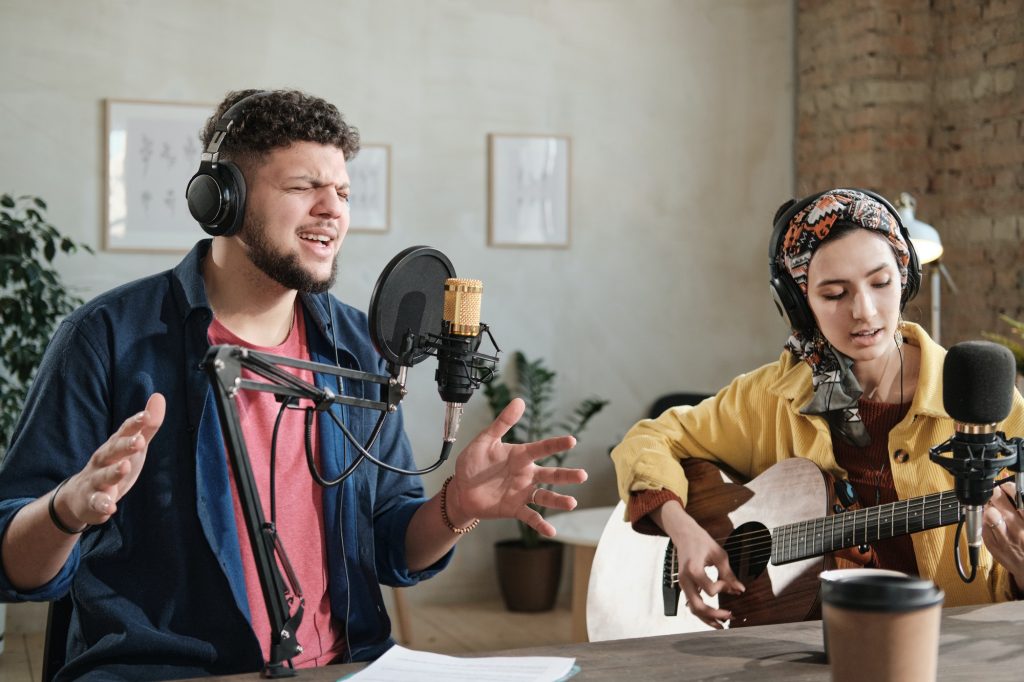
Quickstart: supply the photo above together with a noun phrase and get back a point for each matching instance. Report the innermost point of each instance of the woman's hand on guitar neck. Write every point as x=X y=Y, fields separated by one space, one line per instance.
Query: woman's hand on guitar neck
x=697 y=551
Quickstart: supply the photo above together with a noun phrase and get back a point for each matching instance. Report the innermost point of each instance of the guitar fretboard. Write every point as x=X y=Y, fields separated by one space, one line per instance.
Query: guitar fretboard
x=805 y=539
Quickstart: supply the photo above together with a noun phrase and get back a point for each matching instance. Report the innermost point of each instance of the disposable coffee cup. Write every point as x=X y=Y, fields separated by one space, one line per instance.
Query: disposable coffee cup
x=883 y=628
x=844 y=573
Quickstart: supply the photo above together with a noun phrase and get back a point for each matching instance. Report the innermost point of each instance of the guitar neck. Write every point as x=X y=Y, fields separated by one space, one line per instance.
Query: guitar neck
x=806 y=539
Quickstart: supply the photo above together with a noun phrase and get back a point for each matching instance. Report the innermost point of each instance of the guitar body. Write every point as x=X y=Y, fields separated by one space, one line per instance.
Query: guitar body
x=779 y=533
x=741 y=516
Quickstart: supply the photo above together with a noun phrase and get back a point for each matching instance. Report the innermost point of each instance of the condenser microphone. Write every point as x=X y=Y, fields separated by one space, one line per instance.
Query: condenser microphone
x=420 y=308
x=977 y=393
x=457 y=346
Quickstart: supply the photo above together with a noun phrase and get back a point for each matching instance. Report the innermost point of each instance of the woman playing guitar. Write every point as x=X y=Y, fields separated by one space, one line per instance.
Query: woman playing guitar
x=857 y=391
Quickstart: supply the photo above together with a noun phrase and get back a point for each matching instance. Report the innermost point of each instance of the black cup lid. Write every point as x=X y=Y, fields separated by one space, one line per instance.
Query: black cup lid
x=881 y=593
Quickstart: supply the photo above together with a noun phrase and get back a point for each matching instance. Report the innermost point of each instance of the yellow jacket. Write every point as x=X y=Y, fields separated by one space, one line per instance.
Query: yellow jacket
x=755 y=422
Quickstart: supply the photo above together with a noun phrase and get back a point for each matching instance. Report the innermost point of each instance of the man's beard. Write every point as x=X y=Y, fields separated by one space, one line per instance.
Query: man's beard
x=285 y=269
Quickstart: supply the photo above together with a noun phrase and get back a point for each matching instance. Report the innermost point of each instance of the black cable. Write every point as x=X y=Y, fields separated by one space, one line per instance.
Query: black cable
x=341 y=501
x=956 y=555
x=311 y=464
x=899 y=349
x=273 y=460
x=446 y=450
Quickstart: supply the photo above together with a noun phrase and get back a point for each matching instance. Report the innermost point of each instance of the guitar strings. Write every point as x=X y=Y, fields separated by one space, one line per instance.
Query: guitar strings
x=791 y=538
x=761 y=549
x=800 y=533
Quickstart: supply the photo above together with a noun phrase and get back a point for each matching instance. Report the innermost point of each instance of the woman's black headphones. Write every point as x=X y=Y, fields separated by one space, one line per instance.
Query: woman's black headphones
x=216 y=193
x=789 y=299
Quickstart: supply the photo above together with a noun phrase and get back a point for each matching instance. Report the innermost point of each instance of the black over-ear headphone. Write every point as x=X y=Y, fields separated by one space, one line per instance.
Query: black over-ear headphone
x=789 y=299
x=216 y=193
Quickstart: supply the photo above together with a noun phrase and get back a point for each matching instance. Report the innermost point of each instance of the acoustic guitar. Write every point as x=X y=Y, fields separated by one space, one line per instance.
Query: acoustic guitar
x=779 y=535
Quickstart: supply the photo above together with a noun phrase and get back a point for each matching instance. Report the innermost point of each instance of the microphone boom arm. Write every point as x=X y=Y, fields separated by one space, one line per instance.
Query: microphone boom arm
x=224 y=365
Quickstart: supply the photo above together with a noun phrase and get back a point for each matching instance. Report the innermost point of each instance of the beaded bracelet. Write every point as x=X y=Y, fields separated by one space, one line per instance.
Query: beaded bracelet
x=444 y=511
x=53 y=513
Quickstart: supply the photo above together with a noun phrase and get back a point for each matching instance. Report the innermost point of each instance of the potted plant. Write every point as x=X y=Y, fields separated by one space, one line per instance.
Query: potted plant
x=33 y=299
x=529 y=568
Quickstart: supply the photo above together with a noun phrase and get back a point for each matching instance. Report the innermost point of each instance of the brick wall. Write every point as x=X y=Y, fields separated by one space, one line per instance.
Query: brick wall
x=925 y=97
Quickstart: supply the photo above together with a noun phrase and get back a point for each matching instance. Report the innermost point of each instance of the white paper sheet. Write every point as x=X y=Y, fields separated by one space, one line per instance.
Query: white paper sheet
x=406 y=665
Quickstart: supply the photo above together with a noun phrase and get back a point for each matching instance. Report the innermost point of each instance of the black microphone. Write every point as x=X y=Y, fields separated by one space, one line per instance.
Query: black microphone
x=977 y=393
x=457 y=373
x=419 y=308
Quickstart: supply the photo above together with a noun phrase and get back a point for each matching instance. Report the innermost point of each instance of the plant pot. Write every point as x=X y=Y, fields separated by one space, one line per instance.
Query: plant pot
x=529 y=576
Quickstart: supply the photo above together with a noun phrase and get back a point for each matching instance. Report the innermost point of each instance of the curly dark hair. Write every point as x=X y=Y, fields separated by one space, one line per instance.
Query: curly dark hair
x=277 y=118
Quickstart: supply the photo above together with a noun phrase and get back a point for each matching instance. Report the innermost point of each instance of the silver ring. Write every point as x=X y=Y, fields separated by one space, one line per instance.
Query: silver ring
x=998 y=523
x=533 y=495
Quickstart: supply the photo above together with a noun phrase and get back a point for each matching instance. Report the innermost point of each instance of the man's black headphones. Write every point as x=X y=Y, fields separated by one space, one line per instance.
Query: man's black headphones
x=789 y=298
x=216 y=193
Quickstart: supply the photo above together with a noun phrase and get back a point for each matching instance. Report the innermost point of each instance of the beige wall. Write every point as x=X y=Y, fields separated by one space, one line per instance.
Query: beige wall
x=681 y=118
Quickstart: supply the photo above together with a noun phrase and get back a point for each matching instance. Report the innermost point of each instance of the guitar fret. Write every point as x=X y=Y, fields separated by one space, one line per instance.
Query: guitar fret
x=832 y=532
x=789 y=542
x=846 y=542
x=863 y=526
x=784 y=546
x=814 y=537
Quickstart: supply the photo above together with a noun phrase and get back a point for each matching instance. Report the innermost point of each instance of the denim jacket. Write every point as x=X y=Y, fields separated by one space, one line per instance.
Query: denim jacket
x=158 y=591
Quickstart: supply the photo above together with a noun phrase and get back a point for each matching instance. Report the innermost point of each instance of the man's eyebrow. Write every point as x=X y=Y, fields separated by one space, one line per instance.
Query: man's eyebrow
x=872 y=271
x=316 y=181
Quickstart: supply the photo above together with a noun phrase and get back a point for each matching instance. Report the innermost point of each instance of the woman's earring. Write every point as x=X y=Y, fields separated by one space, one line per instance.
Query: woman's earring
x=898 y=336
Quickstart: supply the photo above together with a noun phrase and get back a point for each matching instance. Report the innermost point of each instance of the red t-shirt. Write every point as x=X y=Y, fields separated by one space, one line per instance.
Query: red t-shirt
x=300 y=518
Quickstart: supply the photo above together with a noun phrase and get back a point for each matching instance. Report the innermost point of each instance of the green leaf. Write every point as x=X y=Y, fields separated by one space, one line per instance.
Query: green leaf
x=33 y=299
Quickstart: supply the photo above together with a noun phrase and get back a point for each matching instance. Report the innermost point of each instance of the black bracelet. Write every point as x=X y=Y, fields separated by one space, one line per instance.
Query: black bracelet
x=53 y=513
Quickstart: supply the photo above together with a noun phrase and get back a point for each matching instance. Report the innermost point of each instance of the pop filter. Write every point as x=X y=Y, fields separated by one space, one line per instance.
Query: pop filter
x=408 y=299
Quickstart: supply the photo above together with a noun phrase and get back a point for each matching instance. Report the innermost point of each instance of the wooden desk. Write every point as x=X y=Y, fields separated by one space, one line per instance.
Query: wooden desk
x=580 y=528
x=977 y=643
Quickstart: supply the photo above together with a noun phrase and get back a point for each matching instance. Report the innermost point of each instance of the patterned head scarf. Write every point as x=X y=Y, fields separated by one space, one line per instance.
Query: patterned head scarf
x=836 y=389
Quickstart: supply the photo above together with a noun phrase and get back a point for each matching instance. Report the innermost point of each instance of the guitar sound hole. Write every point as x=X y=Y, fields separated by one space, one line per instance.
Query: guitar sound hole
x=749 y=548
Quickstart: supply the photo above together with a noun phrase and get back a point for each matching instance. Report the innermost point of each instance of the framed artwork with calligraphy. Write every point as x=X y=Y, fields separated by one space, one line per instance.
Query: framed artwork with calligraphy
x=528 y=182
x=152 y=150
x=370 y=198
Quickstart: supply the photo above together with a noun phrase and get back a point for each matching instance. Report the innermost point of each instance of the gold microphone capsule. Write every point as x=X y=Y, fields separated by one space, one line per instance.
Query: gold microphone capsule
x=462 y=305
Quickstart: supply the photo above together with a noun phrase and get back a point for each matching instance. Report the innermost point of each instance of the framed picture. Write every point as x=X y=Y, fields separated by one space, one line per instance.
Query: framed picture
x=152 y=150
x=370 y=198
x=528 y=203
